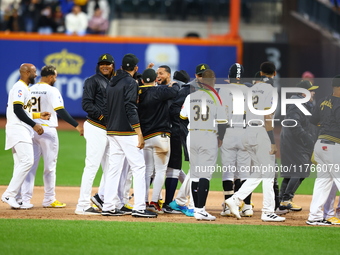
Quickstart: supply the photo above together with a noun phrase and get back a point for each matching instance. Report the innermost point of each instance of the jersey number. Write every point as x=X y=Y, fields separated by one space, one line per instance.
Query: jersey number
x=199 y=115
x=36 y=104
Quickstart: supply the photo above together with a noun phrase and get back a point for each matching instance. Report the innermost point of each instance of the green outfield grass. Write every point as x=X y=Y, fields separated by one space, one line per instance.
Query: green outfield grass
x=95 y=237
x=71 y=163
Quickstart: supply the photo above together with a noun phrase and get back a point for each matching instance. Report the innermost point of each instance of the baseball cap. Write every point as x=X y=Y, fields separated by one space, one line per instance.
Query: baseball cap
x=130 y=60
x=236 y=71
x=201 y=68
x=306 y=85
x=149 y=75
x=182 y=76
x=336 y=81
x=106 y=58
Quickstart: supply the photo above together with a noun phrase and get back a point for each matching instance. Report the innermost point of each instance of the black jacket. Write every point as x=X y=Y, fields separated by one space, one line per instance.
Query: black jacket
x=122 y=94
x=153 y=109
x=297 y=143
x=94 y=99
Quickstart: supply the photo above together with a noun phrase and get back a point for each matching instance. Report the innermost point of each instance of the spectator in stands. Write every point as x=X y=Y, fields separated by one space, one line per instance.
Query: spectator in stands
x=59 y=20
x=46 y=23
x=14 y=22
x=92 y=5
x=76 y=22
x=97 y=24
x=30 y=10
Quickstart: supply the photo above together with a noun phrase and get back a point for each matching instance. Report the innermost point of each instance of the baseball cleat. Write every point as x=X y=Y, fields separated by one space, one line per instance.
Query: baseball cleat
x=114 y=212
x=201 y=214
x=55 y=204
x=226 y=211
x=154 y=207
x=173 y=205
x=125 y=209
x=233 y=204
x=97 y=201
x=25 y=205
x=290 y=205
x=278 y=211
x=334 y=220
x=143 y=214
x=169 y=209
x=319 y=222
x=190 y=213
x=11 y=201
x=247 y=211
x=271 y=217
x=88 y=211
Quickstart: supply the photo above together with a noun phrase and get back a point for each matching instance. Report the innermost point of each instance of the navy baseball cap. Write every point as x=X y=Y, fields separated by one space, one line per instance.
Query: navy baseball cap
x=236 y=71
x=182 y=76
x=106 y=58
x=305 y=84
x=149 y=75
x=130 y=60
x=201 y=68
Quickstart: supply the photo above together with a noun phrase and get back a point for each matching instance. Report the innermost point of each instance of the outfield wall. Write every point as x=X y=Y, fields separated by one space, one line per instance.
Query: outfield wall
x=76 y=57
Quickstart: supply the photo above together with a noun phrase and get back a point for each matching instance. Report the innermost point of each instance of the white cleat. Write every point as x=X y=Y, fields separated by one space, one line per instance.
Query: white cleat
x=226 y=211
x=11 y=201
x=25 y=205
x=271 y=217
x=201 y=214
x=233 y=204
x=247 y=211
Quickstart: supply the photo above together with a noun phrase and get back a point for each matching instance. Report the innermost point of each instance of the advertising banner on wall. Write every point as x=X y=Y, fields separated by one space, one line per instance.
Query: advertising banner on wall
x=76 y=60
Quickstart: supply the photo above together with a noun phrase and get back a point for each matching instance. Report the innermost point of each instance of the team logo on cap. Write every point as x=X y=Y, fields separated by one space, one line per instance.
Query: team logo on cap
x=104 y=57
x=238 y=71
x=203 y=67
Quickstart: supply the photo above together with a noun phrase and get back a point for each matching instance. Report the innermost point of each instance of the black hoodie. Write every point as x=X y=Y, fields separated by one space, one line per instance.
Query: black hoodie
x=122 y=94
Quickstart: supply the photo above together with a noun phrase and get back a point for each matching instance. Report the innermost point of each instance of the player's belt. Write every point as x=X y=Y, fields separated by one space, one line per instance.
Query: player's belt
x=327 y=141
x=44 y=125
x=209 y=130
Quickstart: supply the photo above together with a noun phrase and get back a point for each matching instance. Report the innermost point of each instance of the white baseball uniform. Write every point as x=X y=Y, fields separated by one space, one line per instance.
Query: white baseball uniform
x=203 y=112
x=44 y=98
x=257 y=143
x=233 y=154
x=18 y=137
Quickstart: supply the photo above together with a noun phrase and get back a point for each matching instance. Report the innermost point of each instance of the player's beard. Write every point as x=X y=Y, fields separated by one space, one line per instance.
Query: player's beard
x=31 y=80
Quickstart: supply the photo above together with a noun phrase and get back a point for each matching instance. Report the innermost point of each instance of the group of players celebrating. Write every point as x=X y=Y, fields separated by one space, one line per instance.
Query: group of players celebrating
x=138 y=125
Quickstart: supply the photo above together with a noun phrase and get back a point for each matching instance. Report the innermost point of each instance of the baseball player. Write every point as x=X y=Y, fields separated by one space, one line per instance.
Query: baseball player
x=155 y=123
x=97 y=144
x=233 y=154
x=19 y=132
x=326 y=152
x=202 y=111
x=45 y=97
x=260 y=144
x=126 y=140
x=328 y=209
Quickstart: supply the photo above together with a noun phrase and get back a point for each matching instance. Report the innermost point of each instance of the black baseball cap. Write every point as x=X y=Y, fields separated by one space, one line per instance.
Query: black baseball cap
x=182 y=76
x=236 y=71
x=106 y=58
x=336 y=81
x=201 y=68
x=306 y=85
x=149 y=75
x=130 y=60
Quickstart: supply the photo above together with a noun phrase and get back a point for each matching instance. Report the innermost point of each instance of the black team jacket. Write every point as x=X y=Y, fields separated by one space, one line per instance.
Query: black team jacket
x=121 y=95
x=153 y=109
x=94 y=99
